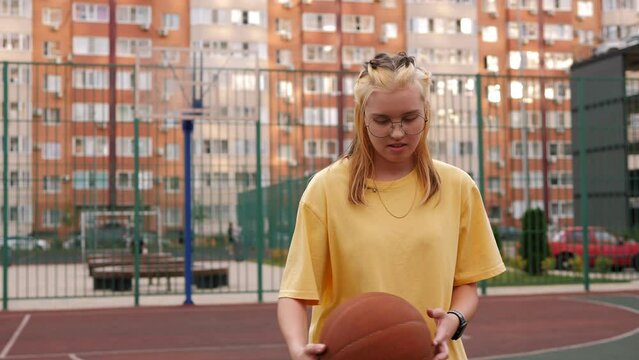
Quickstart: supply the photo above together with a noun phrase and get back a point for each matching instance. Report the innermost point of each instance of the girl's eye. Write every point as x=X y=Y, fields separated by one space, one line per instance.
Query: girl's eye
x=381 y=121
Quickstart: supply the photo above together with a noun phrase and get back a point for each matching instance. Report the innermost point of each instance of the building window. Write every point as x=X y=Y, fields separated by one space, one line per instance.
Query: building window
x=320 y=116
x=364 y=24
x=491 y=63
x=318 y=84
x=51 y=184
x=557 y=5
x=172 y=152
x=246 y=17
x=130 y=14
x=90 y=112
x=90 y=79
x=560 y=179
x=126 y=180
x=125 y=146
x=172 y=216
x=95 y=146
x=489 y=34
x=211 y=147
x=357 y=54
x=90 y=45
x=283 y=57
x=244 y=179
x=532 y=180
x=534 y=150
x=320 y=149
x=131 y=47
x=319 y=22
x=15 y=42
x=554 y=32
x=171 y=184
x=389 y=31
x=95 y=13
x=51 y=151
x=285 y=152
x=494 y=183
x=561 y=209
x=51 y=16
x=50 y=49
x=315 y=53
x=171 y=21
x=15 y=8
x=490 y=6
x=84 y=180
x=51 y=217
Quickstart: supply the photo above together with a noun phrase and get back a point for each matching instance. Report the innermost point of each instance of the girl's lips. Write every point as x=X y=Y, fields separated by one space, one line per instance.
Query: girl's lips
x=397 y=147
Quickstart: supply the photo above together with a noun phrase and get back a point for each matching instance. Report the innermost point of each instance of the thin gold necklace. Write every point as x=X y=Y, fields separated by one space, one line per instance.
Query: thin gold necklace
x=379 y=195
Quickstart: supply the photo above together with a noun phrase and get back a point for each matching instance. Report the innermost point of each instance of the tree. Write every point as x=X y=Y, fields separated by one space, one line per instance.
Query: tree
x=534 y=244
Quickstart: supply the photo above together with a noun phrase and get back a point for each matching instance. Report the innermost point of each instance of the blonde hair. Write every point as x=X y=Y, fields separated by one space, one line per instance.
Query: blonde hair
x=385 y=72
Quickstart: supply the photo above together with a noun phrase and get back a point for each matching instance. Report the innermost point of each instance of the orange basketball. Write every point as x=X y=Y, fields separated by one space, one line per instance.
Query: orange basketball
x=376 y=326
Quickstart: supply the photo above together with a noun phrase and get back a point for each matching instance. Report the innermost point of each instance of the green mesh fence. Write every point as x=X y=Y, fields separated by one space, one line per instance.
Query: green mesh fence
x=90 y=171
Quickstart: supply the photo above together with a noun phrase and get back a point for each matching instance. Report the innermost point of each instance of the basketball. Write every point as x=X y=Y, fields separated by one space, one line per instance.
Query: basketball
x=376 y=326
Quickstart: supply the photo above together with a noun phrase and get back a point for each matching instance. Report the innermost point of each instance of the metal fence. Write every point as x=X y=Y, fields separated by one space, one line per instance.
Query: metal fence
x=94 y=159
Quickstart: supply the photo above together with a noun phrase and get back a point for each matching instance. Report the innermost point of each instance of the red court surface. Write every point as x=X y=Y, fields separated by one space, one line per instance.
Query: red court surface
x=503 y=325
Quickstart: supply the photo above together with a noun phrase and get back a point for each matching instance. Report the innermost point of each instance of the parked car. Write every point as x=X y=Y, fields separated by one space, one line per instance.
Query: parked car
x=568 y=243
x=509 y=233
x=614 y=45
x=26 y=243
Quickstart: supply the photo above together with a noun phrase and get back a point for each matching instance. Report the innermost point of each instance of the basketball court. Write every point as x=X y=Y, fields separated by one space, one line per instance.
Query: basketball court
x=567 y=326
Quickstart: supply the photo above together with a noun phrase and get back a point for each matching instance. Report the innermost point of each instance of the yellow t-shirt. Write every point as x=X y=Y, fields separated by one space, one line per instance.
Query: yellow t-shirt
x=339 y=250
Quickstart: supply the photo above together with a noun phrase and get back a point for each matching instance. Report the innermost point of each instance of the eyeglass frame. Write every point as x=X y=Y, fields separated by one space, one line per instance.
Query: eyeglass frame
x=392 y=128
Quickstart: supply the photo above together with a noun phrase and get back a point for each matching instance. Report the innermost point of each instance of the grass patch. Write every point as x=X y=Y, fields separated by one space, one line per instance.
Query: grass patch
x=520 y=278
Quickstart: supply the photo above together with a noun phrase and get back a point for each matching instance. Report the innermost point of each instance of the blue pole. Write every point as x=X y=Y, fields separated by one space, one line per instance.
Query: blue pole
x=187 y=130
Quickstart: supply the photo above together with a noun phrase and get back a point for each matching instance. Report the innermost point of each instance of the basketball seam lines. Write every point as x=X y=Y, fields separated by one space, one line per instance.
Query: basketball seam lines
x=375 y=332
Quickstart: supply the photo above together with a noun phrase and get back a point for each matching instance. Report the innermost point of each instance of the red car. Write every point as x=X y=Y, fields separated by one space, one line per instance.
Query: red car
x=568 y=242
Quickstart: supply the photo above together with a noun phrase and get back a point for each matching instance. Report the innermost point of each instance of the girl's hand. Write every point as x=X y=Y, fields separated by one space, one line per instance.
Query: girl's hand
x=308 y=352
x=446 y=326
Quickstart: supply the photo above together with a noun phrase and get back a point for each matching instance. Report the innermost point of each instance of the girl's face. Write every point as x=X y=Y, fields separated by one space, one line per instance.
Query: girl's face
x=395 y=121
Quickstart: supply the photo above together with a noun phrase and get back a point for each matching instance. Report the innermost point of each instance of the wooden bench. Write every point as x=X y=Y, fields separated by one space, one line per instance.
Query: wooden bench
x=120 y=277
x=128 y=259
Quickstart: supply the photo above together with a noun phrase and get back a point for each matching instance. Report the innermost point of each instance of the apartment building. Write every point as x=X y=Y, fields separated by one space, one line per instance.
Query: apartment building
x=83 y=127
x=619 y=19
x=230 y=37
x=313 y=109
x=16 y=43
x=526 y=112
x=442 y=35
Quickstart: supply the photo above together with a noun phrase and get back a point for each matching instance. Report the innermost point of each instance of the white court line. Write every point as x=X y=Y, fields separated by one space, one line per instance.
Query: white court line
x=150 y=351
x=601 y=302
x=561 y=348
x=575 y=346
x=74 y=357
x=14 y=338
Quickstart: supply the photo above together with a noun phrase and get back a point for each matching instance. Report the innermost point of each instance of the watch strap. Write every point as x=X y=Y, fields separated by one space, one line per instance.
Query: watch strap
x=462 y=324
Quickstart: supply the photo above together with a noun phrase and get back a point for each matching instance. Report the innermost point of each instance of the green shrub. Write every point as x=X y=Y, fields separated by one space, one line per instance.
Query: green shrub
x=497 y=238
x=603 y=264
x=515 y=262
x=534 y=244
x=576 y=263
x=548 y=264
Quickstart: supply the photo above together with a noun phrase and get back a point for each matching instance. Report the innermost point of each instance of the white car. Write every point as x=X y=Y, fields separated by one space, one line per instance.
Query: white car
x=614 y=45
x=25 y=243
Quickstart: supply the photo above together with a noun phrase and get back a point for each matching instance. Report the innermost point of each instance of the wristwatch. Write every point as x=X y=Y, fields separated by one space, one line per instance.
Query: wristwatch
x=462 y=324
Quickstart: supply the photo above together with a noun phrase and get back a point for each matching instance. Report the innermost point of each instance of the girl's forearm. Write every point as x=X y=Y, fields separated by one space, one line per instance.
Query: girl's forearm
x=293 y=321
x=465 y=299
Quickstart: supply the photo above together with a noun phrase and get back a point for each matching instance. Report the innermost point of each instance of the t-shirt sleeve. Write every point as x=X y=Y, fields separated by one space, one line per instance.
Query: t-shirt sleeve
x=478 y=257
x=307 y=259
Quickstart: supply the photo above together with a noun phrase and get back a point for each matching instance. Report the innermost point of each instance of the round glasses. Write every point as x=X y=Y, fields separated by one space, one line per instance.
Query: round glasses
x=382 y=127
